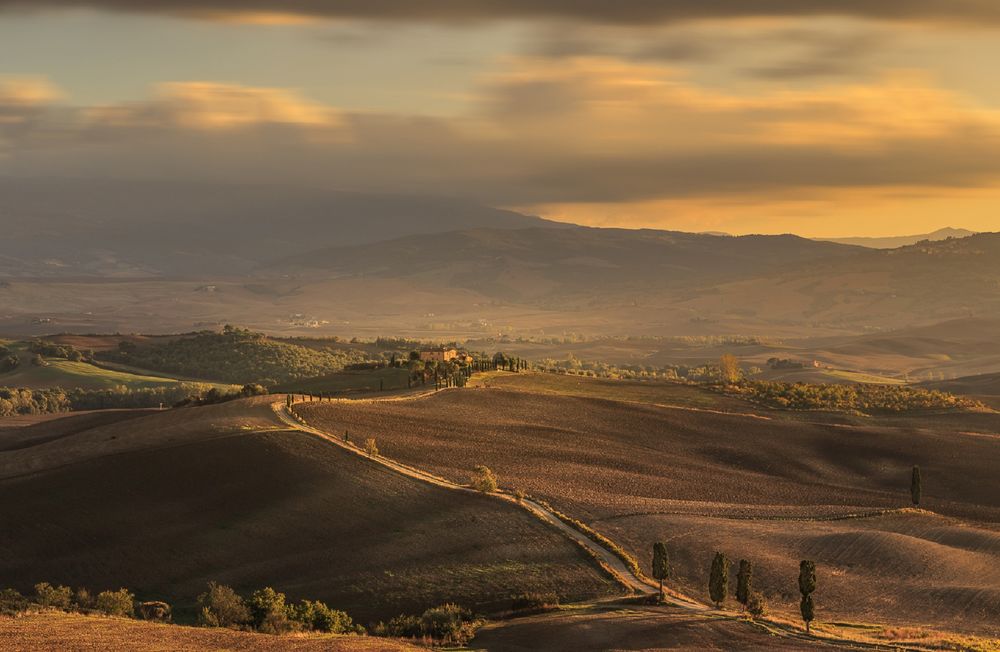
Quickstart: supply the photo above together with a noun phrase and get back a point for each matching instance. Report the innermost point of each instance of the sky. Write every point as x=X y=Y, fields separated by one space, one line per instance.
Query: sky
x=742 y=116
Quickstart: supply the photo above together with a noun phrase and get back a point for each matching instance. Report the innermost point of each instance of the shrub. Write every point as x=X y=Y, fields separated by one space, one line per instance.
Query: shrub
x=12 y=602
x=82 y=599
x=268 y=612
x=449 y=623
x=534 y=601
x=484 y=480
x=400 y=627
x=756 y=604
x=116 y=603
x=519 y=494
x=371 y=447
x=317 y=616
x=59 y=597
x=155 y=610
x=221 y=606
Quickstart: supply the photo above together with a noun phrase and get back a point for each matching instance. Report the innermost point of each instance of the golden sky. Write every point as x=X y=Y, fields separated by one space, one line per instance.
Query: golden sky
x=741 y=116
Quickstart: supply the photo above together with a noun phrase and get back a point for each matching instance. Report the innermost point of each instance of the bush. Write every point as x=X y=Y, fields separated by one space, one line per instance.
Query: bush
x=116 y=603
x=12 y=602
x=483 y=480
x=59 y=597
x=756 y=605
x=221 y=606
x=317 y=616
x=268 y=612
x=448 y=623
x=400 y=627
x=82 y=599
x=156 y=611
x=534 y=601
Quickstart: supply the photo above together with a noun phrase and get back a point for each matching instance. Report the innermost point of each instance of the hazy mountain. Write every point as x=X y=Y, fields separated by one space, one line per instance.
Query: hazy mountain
x=918 y=284
x=894 y=242
x=109 y=228
x=522 y=263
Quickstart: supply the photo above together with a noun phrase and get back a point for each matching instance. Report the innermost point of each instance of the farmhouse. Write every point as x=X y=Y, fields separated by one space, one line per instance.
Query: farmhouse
x=441 y=354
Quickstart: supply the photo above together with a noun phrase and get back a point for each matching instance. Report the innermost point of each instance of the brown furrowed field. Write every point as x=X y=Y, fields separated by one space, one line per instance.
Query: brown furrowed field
x=626 y=628
x=164 y=502
x=772 y=490
x=56 y=631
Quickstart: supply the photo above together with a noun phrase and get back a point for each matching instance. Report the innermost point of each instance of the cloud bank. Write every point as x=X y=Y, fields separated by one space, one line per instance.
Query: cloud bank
x=638 y=12
x=575 y=131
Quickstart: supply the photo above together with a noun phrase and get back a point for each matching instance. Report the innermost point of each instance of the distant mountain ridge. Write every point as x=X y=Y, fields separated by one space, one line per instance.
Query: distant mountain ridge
x=128 y=228
x=518 y=263
x=894 y=242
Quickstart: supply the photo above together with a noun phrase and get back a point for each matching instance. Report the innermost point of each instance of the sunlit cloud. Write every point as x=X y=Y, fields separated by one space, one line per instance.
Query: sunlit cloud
x=208 y=105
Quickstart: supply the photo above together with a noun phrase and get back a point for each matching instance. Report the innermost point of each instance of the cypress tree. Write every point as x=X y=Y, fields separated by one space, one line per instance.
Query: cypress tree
x=718 y=581
x=807 y=584
x=915 y=486
x=744 y=582
x=661 y=564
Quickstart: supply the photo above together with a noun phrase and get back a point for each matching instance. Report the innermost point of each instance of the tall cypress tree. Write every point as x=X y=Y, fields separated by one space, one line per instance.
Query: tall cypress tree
x=744 y=582
x=807 y=584
x=915 y=486
x=661 y=563
x=718 y=581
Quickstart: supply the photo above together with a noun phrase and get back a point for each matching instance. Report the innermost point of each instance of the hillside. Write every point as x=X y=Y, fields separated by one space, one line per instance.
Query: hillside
x=235 y=355
x=985 y=387
x=893 y=242
x=76 y=633
x=164 y=502
x=775 y=490
x=105 y=228
x=524 y=264
x=916 y=285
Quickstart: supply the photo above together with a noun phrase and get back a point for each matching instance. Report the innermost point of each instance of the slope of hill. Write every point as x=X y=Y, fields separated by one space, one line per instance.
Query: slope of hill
x=129 y=228
x=774 y=490
x=915 y=285
x=164 y=502
x=893 y=242
x=527 y=263
x=53 y=630
x=984 y=387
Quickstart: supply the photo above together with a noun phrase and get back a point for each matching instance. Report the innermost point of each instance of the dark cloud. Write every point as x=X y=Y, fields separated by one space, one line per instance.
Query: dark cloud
x=550 y=134
x=823 y=54
x=621 y=12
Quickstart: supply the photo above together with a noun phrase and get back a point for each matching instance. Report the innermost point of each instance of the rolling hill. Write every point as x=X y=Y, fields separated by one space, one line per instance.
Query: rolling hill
x=770 y=487
x=164 y=502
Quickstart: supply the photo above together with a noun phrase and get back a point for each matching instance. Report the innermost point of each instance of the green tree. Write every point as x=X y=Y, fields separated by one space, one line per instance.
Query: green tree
x=116 y=603
x=661 y=564
x=59 y=597
x=915 y=486
x=718 y=581
x=268 y=612
x=807 y=584
x=221 y=606
x=744 y=582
